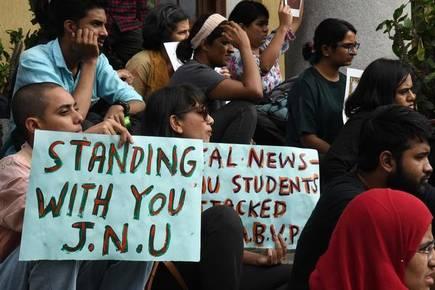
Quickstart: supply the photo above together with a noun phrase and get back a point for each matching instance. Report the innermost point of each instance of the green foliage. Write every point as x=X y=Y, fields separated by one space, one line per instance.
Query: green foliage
x=15 y=37
x=414 y=43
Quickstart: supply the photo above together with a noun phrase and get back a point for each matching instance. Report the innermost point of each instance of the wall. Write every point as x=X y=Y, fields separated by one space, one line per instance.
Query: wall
x=14 y=14
x=364 y=15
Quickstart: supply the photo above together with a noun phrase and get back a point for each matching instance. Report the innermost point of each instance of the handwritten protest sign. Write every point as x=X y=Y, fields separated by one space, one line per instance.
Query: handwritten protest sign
x=273 y=189
x=88 y=199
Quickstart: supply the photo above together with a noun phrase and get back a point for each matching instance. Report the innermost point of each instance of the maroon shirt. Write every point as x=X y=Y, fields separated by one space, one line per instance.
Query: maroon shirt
x=126 y=14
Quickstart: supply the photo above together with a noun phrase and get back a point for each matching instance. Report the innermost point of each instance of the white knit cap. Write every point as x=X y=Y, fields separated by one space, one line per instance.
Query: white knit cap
x=207 y=28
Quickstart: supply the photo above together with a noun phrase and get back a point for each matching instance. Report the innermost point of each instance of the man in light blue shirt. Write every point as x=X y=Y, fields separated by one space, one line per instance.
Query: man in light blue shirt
x=73 y=61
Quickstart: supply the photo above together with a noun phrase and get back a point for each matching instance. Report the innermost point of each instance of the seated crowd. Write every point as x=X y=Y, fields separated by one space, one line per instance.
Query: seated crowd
x=372 y=226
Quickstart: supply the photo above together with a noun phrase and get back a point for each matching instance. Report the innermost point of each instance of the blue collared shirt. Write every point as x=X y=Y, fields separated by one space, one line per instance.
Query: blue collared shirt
x=45 y=63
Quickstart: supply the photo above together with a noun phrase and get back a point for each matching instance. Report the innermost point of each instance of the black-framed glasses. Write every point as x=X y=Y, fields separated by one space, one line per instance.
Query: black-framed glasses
x=201 y=110
x=351 y=47
x=427 y=248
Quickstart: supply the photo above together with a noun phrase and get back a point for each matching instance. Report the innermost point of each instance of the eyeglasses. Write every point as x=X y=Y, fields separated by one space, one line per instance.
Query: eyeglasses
x=428 y=249
x=201 y=110
x=351 y=47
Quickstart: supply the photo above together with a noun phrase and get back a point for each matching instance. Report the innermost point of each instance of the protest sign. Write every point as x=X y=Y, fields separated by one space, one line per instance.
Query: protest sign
x=171 y=51
x=353 y=76
x=89 y=200
x=295 y=7
x=273 y=189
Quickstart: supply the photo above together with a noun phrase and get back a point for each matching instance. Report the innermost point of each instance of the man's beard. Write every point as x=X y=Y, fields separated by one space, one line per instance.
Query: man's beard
x=400 y=181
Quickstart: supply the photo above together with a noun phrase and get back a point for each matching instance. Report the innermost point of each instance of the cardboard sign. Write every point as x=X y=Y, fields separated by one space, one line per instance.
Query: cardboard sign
x=273 y=189
x=295 y=6
x=90 y=200
x=171 y=51
x=353 y=76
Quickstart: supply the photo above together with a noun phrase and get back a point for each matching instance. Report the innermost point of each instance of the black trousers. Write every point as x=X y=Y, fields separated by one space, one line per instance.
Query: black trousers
x=234 y=123
x=265 y=278
x=221 y=255
x=221 y=260
x=269 y=131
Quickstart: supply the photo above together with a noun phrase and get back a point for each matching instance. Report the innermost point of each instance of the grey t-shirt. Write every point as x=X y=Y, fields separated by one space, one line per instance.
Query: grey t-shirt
x=201 y=76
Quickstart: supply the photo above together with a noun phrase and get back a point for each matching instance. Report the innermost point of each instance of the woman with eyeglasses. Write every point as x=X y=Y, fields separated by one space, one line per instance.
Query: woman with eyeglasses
x=180 y=111
x=315 y=103
x=384 y=82
x=383 y=240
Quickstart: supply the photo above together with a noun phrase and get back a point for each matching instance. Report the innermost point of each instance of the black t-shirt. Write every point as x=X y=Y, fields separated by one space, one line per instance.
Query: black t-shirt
x=315 y=107
x=201 y=76
x=343 y=154
x=316 y=234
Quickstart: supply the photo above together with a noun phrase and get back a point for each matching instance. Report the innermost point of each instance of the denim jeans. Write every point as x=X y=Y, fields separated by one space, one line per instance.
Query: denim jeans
x=72 y=275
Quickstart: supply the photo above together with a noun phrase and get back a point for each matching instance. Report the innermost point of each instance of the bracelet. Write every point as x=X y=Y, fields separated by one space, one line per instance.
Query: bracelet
x=290 y=35
x=124 y=105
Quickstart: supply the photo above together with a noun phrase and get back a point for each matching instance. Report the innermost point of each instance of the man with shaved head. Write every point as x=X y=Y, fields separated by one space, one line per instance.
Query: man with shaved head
x=47 y=106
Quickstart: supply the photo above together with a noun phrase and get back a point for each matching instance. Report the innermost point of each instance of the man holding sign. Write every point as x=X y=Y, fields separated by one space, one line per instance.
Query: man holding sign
x=47 y=106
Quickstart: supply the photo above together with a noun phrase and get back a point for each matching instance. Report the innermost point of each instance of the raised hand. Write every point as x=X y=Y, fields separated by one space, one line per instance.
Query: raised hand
x=274 y=256
x=284 y=15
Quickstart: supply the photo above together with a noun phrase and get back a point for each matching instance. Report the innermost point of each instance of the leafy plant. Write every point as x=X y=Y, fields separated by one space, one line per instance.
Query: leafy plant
x=413 y=38
x=6 y=60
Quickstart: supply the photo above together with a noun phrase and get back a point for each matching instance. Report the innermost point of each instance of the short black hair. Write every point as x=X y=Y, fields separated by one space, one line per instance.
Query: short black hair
x=246 y=12
x=166 y=102
x=159 y=24
x=329 y=32
x=30 y=101
x=390 y=128
x=62 y=10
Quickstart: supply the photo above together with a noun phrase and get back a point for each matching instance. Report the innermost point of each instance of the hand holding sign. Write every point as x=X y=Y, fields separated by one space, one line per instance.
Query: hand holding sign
x=275 y=256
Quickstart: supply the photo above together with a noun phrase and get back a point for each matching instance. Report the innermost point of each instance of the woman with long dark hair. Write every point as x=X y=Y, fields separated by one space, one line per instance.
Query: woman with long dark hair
x=151 y=67
x=384 y=82
x=180 y=111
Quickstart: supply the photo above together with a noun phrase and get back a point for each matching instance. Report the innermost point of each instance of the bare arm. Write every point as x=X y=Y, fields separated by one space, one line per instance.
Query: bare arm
x=250 y=86
x=136 y=107
x=314 y=142
x=86 y=43
x=270 y=55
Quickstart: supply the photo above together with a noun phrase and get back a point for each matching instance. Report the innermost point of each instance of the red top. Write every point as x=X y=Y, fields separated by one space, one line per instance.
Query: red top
x=126 y=14
x=375 y=238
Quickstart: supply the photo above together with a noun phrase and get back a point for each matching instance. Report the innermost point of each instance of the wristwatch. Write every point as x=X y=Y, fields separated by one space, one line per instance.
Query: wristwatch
x=124 y=105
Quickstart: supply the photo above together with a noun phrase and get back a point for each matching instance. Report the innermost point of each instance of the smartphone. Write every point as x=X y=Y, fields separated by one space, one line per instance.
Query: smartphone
x=295 y=6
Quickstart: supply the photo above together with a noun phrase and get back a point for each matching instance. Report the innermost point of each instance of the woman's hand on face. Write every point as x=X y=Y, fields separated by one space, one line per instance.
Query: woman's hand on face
x=236 y=35
x=284 y=15
x=274 y=256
